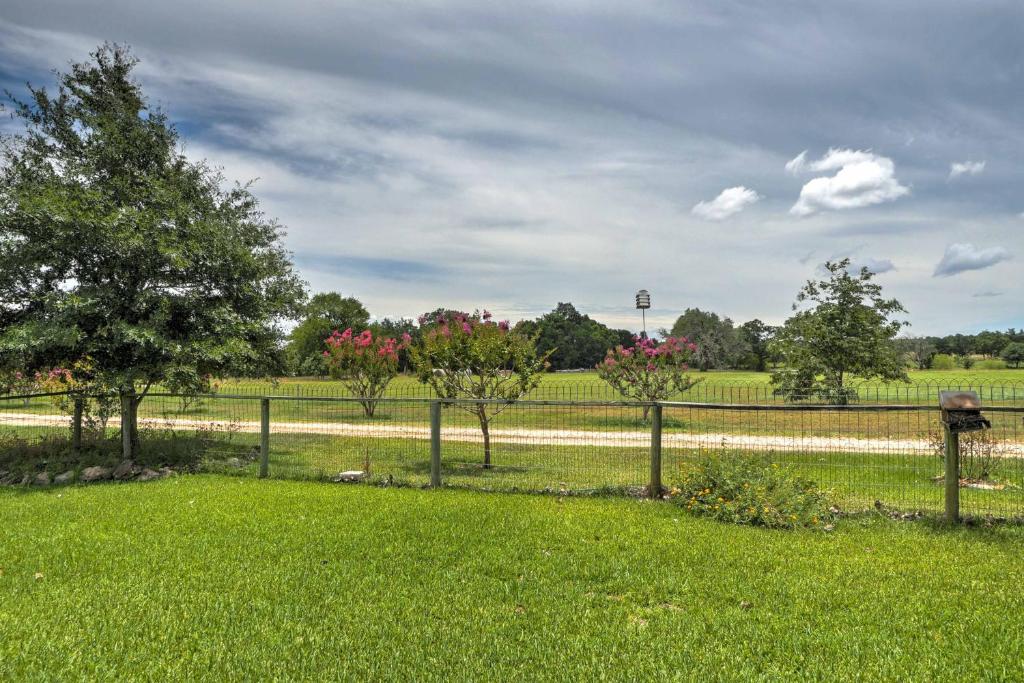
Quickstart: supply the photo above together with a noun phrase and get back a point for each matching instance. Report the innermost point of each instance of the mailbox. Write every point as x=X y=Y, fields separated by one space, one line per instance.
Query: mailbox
x=961 y=411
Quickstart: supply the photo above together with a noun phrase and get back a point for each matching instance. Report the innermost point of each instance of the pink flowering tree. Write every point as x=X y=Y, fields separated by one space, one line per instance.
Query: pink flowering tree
x=472 y=357
x=364 y=363
x=649 y=370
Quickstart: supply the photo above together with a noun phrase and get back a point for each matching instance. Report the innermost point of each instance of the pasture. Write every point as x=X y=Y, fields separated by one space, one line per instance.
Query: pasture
x=225 y=578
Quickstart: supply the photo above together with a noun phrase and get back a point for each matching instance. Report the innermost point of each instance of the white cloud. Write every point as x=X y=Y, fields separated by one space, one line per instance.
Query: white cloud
x=862 y=178
x=797 y=164
x=730 y=201
x=959 y=168
x=960 y=257
x=875 y=265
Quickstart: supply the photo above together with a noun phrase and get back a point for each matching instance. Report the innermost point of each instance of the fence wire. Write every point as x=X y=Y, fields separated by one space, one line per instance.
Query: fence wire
x=866 y=455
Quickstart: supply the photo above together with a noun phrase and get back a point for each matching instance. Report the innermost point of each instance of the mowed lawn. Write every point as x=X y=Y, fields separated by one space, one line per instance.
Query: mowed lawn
x=217 y=578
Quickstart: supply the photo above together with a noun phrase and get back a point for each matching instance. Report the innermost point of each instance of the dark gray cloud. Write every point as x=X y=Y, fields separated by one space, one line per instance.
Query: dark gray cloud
x=538 y=152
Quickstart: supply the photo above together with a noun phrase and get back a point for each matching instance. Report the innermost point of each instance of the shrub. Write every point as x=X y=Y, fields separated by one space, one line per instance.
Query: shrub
x=743 y=489
x=649 y=371
x=365 y=364
x=982 y=456
x=943 y=361
x=990 y=364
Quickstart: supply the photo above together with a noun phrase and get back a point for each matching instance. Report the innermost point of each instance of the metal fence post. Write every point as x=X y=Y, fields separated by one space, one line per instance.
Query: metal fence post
x=654 y=490
x=952 y=476
x=435 y=443
x=76 y=427
x=264 y=438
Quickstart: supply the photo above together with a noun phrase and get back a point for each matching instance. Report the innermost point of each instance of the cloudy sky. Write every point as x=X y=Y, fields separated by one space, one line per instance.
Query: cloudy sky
x=514 y=155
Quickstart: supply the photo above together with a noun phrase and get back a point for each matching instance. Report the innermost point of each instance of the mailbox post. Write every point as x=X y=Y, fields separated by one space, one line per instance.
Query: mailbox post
x=961 y=412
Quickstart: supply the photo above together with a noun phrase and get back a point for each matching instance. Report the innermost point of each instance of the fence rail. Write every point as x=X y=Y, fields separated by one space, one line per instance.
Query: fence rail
x=892 y=453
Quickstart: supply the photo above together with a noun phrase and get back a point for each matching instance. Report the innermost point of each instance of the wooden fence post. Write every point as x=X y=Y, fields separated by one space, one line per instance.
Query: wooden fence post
x=952 y=476
x=126 y=426
x=654 y=489
x=435 y=444
x=76 y=427
x=264 y=438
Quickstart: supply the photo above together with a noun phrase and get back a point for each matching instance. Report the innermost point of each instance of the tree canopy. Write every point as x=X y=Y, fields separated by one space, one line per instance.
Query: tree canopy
x=573 y=339
x=325 y=313
x=120 y=254
x=848 y=331
x=718 y=344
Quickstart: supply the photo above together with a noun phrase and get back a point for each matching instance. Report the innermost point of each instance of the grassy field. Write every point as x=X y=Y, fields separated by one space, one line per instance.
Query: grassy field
x=220 y=578
x=589 y=384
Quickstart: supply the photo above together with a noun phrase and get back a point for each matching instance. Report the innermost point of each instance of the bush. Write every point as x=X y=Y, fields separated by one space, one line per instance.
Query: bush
x=990 y=364
x=943 y=361
x=742 y=489
x=982 y=456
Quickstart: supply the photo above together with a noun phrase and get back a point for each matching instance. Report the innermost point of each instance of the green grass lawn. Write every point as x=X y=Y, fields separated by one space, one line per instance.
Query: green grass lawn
x=222 y=578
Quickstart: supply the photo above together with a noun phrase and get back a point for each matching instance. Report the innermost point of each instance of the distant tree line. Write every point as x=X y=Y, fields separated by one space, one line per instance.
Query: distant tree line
x=963 y=350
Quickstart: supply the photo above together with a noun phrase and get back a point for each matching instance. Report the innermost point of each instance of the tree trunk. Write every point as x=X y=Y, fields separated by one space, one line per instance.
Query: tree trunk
x=647 y=412
x=485 y=427
x=129 y=424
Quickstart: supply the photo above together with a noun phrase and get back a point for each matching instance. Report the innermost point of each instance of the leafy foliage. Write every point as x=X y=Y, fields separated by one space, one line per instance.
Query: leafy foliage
x=323 y=314
x=756 y=337
x=471 y=356
x=849 y=331
x=573 y=339
x=717 y=343
x=648 y=370
x=1013 y=353
x=117 y=250
x=365 y=364
x=742 y=489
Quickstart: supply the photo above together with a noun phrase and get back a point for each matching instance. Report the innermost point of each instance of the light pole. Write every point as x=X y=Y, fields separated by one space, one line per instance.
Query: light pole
x=643 y=302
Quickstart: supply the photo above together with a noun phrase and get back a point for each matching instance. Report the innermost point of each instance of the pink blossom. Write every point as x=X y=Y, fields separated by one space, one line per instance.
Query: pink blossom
x=503 y=326
x=486 y=315
x=466 y=328
x=406 y=338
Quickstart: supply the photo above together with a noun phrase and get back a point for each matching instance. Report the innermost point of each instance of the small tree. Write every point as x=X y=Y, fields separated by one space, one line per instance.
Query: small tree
x=649 y=371
x=1013 y=354
x=365 y=364
x=470 y=356
x=848 y=332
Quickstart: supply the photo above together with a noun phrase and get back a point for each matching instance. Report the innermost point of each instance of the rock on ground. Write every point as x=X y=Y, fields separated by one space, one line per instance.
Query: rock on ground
x=349 y=476
x=148 y=475
x=95 y=473
x=42 y=479
x=123 y=470
x=65 y=478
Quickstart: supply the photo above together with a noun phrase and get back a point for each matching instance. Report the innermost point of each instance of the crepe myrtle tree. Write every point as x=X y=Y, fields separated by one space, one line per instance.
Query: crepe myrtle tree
x=470 y=356
x=649 y=370
x=364 y=363
x=122 y=257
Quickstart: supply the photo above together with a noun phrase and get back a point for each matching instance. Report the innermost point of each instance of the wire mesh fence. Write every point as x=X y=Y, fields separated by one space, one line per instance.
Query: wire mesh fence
x=709 y=388
x=864 y=454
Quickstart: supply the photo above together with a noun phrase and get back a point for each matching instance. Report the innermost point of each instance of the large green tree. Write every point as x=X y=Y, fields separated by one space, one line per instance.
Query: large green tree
x=573 y=339
x=756 y=336
x=718 y=344
x=119 y=254
x=325 y=313
x=848 y=330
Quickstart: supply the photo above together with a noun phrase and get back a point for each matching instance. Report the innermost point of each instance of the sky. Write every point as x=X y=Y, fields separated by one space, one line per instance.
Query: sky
x=511 y=156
